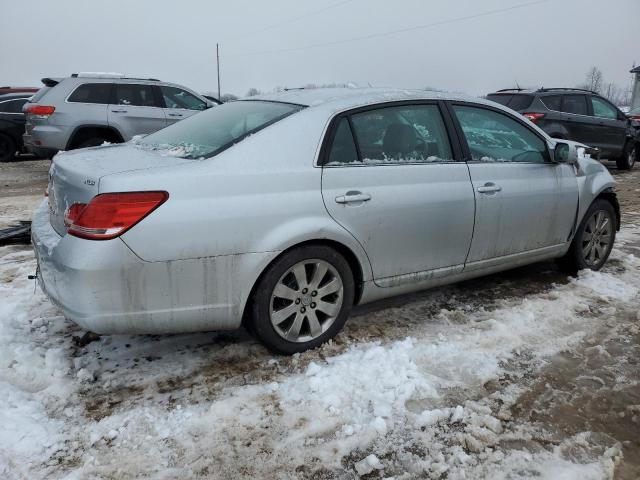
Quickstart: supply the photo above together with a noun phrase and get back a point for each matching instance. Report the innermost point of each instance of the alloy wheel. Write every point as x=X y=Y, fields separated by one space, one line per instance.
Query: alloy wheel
x=597 y=237
x=306 y=300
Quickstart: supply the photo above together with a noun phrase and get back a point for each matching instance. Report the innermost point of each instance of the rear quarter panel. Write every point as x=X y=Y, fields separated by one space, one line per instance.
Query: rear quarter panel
x=262 y=195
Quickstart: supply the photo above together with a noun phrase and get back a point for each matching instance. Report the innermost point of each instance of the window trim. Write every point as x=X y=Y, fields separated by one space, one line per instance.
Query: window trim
x=111 y=93
x=329 y=136
x=465 y=145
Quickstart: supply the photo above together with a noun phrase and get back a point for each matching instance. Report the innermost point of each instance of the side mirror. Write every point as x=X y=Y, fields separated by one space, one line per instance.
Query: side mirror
x=565 y=153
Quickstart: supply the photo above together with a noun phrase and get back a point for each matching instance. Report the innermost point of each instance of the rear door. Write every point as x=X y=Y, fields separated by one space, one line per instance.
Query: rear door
x=576 y=119
x=610 y=126
x=390 y=177
x=523 y=201
x=136 y=109
x=179 y=104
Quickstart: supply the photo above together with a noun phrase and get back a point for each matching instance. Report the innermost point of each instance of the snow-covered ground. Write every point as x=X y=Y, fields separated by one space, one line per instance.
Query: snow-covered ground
x=432 y=385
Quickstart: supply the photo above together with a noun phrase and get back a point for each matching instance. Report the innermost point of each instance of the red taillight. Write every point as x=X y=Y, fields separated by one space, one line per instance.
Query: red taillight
x=634 y=117
x=73 y=212
x=534 y=117
x=39 y=109
x=109 y=215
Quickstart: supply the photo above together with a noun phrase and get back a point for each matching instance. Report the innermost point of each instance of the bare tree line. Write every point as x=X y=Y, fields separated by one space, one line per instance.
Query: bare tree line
x=594 y=81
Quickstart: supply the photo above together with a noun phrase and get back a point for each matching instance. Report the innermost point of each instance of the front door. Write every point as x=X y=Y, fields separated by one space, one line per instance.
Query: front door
x=610 y=130
x=137 y=110
x=391 y=180
x=523 y=201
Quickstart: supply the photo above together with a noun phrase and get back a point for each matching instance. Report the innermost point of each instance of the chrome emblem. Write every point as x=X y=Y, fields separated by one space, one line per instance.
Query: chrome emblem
x=89 y=182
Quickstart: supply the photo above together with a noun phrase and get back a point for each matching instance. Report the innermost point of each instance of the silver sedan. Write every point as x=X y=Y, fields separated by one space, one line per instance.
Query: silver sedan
x=284 y=211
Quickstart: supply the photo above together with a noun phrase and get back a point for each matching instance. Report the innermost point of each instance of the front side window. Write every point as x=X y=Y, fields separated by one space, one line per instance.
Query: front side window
x=13 y=106
x=135 y=95
x=178 y=98
x=210 y=132
x=602 y=109
x=91 y=93
x=576 y=104
x=495 y=137
x=403 y=134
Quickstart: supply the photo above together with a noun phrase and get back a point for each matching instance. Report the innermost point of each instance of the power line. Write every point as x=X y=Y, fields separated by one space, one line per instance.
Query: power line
x=394 y=32
x=294 y=19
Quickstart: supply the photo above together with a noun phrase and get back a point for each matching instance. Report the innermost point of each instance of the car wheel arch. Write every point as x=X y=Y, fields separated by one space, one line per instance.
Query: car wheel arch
x=82 y=132
x=357 y=269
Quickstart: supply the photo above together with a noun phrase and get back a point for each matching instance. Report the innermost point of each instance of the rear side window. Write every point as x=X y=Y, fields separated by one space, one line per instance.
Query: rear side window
x=405 y=134
x=552 y=102
x=515 y=101
x=574 y=104
x=13 y=106
x=177 y=98
x=91 y=93
x=602 y=109
x=496 y=137
x=343 y=149
x=136 y=95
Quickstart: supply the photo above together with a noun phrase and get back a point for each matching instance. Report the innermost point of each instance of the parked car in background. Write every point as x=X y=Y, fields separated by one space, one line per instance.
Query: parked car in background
x=5 y=90
x=11 y=124
x=88 y=109
x=634 y=114
x=285 y=210
x=580 y=115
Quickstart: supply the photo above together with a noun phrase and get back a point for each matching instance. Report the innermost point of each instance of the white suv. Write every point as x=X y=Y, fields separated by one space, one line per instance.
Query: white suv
x=88 y=109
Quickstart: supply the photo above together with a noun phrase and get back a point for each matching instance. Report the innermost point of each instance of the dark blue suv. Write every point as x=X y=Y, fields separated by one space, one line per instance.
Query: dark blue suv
x=579 y=115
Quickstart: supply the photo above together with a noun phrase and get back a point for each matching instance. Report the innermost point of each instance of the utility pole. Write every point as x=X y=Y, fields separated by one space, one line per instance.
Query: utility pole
x=218 y=63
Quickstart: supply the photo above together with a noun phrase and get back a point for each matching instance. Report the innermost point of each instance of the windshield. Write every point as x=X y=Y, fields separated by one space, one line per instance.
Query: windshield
x=212 y=131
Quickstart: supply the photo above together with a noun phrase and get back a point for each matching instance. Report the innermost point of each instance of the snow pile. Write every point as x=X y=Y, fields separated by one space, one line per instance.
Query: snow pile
x=422 y=406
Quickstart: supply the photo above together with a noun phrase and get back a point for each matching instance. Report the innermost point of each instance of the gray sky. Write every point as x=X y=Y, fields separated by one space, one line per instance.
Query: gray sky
x=552 y=43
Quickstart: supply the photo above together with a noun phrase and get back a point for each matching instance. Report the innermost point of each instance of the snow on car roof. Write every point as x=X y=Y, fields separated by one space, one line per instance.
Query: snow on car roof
x=354 y=97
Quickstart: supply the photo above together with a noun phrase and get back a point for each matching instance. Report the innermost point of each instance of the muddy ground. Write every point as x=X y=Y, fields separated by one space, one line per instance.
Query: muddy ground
x=582 y=401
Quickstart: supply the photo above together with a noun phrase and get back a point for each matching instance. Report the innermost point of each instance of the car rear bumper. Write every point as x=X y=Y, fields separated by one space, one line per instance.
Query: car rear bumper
x=45 y=139
x=104 y=287
x=31 y=147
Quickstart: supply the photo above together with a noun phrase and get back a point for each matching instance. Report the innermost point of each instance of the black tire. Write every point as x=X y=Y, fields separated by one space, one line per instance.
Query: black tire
x=575 y=259
x=8 y=148
x=259 y=320
x=629 y=157
x=91 y=142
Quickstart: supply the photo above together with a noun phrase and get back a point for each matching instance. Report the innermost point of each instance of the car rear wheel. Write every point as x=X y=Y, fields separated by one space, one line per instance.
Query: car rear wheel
x=628 y=159
x=8 y=148
x=594 y=239
x=302 y=300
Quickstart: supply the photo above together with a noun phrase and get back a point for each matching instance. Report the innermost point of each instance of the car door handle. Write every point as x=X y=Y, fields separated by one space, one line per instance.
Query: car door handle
x=119 y=111
x=489 y=188
x=175 y=114
x=352 y=197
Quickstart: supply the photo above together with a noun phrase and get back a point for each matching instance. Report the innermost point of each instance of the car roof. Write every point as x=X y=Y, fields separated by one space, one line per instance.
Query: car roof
x=345 y=98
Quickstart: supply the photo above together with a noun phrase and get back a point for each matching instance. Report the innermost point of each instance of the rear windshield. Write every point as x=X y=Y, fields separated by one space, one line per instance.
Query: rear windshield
x=208 y=133
x=515 y=101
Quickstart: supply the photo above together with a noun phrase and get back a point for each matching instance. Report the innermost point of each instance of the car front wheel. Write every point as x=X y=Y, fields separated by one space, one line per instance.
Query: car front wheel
x=594 y=239
x=303 y=299
x=628 y=159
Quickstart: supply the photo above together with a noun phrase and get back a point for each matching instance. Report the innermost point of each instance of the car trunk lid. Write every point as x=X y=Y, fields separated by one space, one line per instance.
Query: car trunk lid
x=75 y=176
